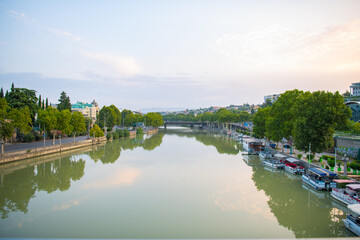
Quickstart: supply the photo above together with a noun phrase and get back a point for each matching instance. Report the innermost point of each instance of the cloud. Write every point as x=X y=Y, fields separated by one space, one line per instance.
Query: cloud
x=123 y=66
x=18 y=15
x=119 y=178
x=64 y=34
x=278 y=48
x=65 y=206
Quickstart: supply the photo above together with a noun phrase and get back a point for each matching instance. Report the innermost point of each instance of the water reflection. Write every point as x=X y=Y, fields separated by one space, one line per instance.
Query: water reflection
x=306 y=212
x=18 y=187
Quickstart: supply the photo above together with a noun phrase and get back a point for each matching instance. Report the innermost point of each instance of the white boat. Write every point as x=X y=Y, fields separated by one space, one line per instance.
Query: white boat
x=349 y=194
x=251 y=145
x=320 y=179
x=274 y=163
x=292 y=166
x=265 y=155
x=352 y=221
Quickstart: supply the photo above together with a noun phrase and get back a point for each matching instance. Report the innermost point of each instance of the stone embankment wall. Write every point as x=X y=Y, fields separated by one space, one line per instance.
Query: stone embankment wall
x=348 y=146
x=152 y=131
x=35 y=152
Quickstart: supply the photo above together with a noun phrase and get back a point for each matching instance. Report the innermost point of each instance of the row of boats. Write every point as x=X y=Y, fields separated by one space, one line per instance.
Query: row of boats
x=342 y=190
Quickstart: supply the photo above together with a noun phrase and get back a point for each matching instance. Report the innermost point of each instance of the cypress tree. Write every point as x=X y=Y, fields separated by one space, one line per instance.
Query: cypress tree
x=2 y=93
x=43 y=104
x=39 y=101
x=47 y=103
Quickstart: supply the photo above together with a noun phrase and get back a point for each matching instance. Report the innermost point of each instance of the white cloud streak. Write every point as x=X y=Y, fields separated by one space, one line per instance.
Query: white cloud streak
x=277 y=48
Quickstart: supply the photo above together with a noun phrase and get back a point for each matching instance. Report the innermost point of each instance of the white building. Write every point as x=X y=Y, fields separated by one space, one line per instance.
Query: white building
x=272 y=98
x=88 y=110
x=355 y=90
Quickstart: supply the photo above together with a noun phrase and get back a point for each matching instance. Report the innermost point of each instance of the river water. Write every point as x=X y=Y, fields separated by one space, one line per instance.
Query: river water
x=179 y=183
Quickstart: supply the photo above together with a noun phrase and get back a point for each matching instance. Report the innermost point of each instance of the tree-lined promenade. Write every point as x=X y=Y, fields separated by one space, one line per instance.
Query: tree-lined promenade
x=305 y=118
x=32 y=118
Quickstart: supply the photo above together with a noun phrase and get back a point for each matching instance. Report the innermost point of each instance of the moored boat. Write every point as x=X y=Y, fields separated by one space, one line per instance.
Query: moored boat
x=320 y=179
x=352 y=221
x=349 y=194
x=252 y=145
x=273 y=163
x=292 y=166
x=265 y=155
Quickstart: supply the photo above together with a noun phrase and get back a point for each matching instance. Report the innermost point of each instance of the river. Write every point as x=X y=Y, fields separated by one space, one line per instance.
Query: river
x=179 y=183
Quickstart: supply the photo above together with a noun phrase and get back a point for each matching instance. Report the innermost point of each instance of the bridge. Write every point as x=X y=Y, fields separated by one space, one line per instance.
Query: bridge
x=229 y=126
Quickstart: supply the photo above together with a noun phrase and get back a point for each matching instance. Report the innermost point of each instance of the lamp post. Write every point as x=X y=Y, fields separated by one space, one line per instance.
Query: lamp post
x=345 y=160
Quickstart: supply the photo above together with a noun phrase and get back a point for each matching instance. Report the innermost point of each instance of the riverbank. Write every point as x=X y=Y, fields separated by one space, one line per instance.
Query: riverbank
x=41 y=151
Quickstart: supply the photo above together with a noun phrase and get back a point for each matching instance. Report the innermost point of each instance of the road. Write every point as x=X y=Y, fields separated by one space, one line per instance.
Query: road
x=12 y=147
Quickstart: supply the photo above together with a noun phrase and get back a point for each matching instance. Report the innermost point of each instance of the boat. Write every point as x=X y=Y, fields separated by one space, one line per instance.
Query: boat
x=280 y=157
x=265 y=155
x=349 y=194
x=352 y=221
x=320 y=179
x=252 y=145
x=292 y=166
x=273 y=163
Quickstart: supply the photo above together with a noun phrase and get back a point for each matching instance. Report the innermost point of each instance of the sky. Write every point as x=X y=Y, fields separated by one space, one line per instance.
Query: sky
x=178 y=54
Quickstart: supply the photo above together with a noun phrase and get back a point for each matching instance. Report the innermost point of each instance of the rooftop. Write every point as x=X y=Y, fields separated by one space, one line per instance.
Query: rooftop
x=81 y=105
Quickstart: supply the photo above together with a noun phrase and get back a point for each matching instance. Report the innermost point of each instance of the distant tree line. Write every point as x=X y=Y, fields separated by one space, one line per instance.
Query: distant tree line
x=222 y=115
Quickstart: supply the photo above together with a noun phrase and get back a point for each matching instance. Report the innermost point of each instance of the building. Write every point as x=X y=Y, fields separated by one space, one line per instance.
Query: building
x=96 y=106
x=272 y=98
x=355 y=90
x=355 y=108
x=87 y=109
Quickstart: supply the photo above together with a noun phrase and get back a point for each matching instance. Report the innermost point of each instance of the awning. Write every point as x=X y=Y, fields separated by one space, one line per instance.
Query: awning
x=322 y=172
x=353 y=186
x=355 y=208
x=278 y=155
x=343 y=181
x=292 y=160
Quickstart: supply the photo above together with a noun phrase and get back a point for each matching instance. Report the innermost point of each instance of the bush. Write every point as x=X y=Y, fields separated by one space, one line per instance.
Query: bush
x=108 y=136
x=326 y=157
x=299 y=156
x=126 y=133
x=120 y=133
x=29 y=137
x=311 y=156
x=354 y=165
x=139 y=131
x=327 y=167
x=331 y=162
x=115 y=135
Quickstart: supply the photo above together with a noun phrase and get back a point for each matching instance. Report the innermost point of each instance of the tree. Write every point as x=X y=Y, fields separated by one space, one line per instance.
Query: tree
x=22 y=97
x=64 y=102
x=153 y=119
x=48 y=120
x=282 y=116
x=107 y=115
x=1 y=93
x=63 y=119
x=39 y=103
x=78 y=123
x=118 y=115
x=317 y=114
x=20 y=119
x=259 y=120
x=96 y=131
x=6 y=128
x=47 y=103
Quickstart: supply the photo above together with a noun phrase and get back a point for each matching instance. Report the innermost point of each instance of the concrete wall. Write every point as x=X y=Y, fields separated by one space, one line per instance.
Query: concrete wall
x=20 y=155
x=348 y=146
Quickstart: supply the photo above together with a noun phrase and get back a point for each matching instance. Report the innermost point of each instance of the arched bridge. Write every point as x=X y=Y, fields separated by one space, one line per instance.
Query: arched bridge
x=182 y=123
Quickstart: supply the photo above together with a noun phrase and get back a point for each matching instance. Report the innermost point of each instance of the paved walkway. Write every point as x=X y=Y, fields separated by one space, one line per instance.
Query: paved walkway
x=13 y=147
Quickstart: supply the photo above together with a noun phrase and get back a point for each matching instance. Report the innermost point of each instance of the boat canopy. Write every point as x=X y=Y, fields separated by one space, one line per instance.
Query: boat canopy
x=292 y=160
x=322 y=172
x=343 y=181
x=355 y=208
x=278 y=155
x=353 y=186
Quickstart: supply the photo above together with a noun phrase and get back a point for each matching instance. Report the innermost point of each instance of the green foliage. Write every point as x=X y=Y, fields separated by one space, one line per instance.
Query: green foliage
x=354 y=165
x=120 y=132
x=78 y=122
x=259 y=120
x=317 y=115
x=139 y=131
x=331 y=162
x=96 y=131
x=108 y=136
x=19 y=98
x=107 y=115
x=311 y=156
x=153 y=119
x=64 y=102
x=118 y=115
x=63 y=121
x=326 y=157
x=29 y=137
x=115 y=135
x=299 y=156
x=48 y=119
